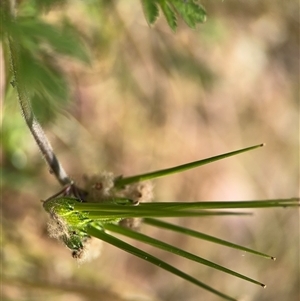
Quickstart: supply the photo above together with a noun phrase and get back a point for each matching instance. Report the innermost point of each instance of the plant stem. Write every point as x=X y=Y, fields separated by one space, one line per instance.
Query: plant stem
x=27 y=112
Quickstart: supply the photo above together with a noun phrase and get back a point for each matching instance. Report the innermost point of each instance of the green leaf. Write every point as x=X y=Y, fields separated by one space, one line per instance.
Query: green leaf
x=200 y=235
x=32 y=33
x=191 y=12
x=99 y=233
x=151 y=10
x=169 y=14
x=70 y=43
x=44 y=82
x=39 y=44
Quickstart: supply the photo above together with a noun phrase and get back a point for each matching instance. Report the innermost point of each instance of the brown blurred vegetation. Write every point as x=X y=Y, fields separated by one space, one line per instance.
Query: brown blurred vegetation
x=152 y=99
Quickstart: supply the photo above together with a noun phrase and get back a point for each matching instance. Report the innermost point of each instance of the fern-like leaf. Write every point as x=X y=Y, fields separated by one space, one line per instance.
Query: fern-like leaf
x=190 y=11
x=169 y=14
x=151 y=10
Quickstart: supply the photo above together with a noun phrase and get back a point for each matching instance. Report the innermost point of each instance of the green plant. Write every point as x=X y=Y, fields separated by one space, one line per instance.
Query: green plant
x=79 y=213
x=191 y=12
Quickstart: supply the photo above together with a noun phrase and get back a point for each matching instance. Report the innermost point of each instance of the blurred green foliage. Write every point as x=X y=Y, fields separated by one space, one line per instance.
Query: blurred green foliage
x=191 y=12
x=40 y=47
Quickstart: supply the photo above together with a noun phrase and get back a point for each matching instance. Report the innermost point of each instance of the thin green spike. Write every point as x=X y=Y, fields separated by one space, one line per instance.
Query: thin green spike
x=291 y=202
x=120 y=181
x=200 y=235
x=99 y=233
x=179 y=206
x=164 y=246
x=102 y=215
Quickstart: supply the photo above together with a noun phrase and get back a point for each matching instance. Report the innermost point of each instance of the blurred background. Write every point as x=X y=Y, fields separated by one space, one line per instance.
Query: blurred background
x=152 y=99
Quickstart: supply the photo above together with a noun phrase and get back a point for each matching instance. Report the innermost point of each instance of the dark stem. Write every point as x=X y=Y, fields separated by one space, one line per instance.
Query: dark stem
x=27 y=112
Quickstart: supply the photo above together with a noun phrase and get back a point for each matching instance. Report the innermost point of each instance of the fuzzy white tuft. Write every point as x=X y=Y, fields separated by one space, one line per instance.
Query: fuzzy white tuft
x=99 y=186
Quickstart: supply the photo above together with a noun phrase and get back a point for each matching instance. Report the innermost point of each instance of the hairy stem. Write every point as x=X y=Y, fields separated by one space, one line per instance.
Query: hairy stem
x=27 y=112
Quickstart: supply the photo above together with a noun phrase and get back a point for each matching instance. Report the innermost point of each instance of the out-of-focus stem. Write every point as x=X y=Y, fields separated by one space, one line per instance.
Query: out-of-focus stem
x=24 y=101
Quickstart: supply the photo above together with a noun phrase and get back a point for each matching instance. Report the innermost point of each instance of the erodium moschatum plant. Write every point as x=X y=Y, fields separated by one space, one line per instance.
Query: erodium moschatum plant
x=106 y=204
